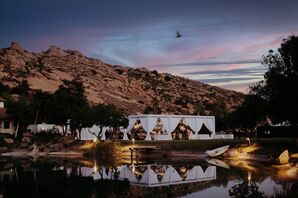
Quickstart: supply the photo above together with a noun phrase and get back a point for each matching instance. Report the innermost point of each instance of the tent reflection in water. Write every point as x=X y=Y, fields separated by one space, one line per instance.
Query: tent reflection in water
x=152 y=175
x=169 y=127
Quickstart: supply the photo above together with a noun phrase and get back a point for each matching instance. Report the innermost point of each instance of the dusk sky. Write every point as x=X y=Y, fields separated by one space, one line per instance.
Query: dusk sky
x=222 y=42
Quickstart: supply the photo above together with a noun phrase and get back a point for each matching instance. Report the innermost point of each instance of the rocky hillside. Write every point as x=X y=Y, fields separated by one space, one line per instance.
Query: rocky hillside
x=126 y=87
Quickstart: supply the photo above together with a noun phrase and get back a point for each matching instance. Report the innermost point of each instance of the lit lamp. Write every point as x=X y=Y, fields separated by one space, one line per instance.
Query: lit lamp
x=248 y=141
x=95 y=167
x=94 y=140
x=249 y=177
x=133 y=141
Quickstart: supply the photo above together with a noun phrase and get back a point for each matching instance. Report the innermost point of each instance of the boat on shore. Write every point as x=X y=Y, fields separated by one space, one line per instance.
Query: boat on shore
x=218 y=151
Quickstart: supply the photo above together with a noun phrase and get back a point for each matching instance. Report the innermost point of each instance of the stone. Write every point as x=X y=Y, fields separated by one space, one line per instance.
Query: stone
x=27 y=134
x=26 y=139
x=231 y=153
x=24 y=145
x=8 y=140
x=15 y=46
x=55 y=51
x=284 y=157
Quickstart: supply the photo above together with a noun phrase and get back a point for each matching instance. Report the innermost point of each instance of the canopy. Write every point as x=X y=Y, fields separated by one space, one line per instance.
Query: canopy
x=170 y=122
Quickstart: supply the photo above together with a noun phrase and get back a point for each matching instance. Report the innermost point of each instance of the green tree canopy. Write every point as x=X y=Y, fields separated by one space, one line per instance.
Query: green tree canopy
x=66 y=103
x=107 y=115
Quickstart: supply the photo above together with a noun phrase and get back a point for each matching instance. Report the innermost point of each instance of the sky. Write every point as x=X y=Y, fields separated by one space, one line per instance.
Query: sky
x=222 y=41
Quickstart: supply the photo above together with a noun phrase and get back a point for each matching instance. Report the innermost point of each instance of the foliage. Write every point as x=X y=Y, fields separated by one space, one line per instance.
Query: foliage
x=219 y=109
x=107 y=115
x=279 y=87
x=252 y=110
x=4 y=88
x=22 y=88
x=21 y=112
x=246 y=190
x=80 y=118
x=153 y=108
x=68 y=106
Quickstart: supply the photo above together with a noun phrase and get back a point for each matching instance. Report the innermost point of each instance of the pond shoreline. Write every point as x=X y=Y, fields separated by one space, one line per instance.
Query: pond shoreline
x=70 y=148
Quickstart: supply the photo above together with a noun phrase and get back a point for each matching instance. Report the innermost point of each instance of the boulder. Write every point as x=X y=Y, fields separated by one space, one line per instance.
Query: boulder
x=24 y=145
x=55 y=51
x=231 y=153
x=284 y=157
x=15 y=46
x=27 y=134
x=8 y=140
x=27 y=139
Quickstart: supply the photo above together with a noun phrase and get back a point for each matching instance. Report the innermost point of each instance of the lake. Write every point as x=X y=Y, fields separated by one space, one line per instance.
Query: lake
x=59 y=177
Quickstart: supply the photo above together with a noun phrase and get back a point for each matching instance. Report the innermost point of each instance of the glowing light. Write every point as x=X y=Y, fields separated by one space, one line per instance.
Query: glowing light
x=133 y=168
x=133 y=141
x=95 y=140
x=249 y=177
x=248 y=141
x=95 y=167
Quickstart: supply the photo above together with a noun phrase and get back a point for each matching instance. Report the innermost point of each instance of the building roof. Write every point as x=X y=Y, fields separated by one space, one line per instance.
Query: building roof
x=3 y=114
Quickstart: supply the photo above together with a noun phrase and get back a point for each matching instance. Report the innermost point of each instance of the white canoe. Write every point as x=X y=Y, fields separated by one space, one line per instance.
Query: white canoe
x=218 y=151
x=218 y=162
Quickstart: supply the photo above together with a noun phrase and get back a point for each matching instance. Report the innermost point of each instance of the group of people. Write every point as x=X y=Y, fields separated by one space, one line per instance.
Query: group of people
x=114 y=134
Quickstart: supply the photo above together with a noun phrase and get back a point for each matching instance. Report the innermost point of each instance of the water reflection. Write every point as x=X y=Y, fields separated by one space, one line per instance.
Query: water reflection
x=84 y=178
x=152 y=175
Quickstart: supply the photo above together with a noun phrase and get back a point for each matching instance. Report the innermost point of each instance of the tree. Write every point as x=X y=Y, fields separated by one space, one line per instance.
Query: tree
x=82 y=117
x=107 y=115
x=22 y=88
x=69 y=98
x=246 y=190
x=153 y=107
x=21 y=112
x=252 y=110
x=42 y=102
x=279 y=87
x=219 y=109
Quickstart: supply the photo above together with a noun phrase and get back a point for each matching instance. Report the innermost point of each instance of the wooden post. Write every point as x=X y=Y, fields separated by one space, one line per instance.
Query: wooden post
x=131 y=155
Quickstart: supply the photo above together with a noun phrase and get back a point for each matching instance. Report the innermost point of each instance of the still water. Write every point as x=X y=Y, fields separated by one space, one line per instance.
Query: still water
x=99 y=178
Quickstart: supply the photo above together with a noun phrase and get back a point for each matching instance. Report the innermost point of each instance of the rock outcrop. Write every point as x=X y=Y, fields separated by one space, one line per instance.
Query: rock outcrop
x=129 y=88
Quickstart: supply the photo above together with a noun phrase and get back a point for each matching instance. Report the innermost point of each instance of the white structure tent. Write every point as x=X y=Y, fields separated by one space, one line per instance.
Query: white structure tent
x=170 y=122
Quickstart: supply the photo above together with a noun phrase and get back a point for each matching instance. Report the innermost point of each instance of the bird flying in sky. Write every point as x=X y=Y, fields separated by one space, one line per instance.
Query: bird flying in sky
x=178 y=35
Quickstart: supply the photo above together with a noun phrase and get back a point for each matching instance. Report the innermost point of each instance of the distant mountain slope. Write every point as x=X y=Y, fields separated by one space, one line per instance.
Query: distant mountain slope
x=126 y=87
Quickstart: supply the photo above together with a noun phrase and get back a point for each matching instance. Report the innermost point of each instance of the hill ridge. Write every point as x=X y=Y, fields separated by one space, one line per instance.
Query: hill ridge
x=126 y=87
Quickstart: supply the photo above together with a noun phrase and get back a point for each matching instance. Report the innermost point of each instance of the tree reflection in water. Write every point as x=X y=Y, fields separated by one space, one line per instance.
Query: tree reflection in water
x=246 y=190
x=70 y=178
x=287 y=190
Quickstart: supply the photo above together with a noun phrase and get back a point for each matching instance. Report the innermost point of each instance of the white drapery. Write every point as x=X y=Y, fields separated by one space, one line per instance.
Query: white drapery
x=131 y=123
x=170 y=124
x=191 y=122
x=148 y=123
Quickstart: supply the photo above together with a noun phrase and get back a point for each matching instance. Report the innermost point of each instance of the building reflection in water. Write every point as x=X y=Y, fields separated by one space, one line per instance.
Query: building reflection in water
x=152 y=175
